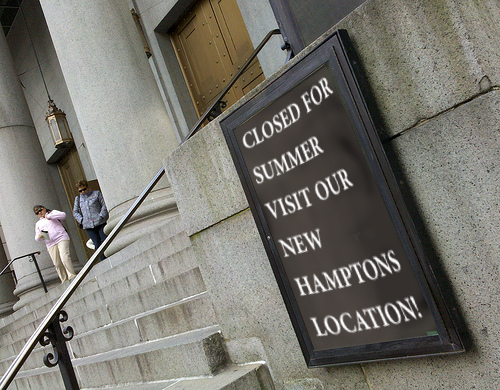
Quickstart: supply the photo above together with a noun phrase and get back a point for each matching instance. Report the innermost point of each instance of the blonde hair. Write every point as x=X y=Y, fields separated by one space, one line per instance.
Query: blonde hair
x=82 y=183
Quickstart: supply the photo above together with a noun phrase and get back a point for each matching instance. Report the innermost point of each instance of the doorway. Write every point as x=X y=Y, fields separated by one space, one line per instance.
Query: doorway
x=211 y=43
x=71 y=170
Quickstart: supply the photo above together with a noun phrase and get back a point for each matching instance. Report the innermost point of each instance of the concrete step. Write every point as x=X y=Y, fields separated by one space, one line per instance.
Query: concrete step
x=166 y=321
x=253 y=376
x=175 y=289
x=192 y=354
x=7 y=348
x=15 y=340
x=137 y=249
x=158 y=246
x=152 y=273
x=248 y=377
x=171 y=228
x=23 y=317
x=97 y=297
x=108 y=272
x=6 y=323
x=105 y=274
x=141 y=321
x=35 y=359
x=6 y=351
x=40 y=379
x=4 y=364
x=122 y=321
x=160 y=385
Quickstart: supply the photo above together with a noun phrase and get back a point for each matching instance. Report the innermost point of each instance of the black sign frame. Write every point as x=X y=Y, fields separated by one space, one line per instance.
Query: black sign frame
x=337 y=54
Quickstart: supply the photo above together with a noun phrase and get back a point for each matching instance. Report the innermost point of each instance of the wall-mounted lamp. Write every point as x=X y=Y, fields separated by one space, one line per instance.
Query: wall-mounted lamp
x=56 y=118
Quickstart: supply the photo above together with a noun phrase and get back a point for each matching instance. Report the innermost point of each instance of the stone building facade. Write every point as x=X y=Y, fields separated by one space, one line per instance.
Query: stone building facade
x=434 y=72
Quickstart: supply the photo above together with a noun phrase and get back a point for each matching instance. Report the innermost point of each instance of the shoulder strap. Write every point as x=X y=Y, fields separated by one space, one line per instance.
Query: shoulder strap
x=64 y=227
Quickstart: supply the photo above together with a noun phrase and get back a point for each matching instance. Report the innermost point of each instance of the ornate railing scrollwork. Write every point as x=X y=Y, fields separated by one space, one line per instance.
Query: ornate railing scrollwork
x=58 y=337
x=50 y=359
x=217 y=110
x=67 y=331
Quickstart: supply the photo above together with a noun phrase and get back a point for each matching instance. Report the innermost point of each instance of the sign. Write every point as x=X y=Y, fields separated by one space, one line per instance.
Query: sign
x=327 y=209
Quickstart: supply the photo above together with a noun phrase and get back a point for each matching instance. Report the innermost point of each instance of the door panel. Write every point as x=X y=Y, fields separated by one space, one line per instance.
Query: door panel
x=211 y=43
x=233 y=29
x=251 y=78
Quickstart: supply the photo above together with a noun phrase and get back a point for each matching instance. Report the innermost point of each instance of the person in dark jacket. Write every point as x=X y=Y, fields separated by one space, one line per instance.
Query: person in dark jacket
x=91 y=213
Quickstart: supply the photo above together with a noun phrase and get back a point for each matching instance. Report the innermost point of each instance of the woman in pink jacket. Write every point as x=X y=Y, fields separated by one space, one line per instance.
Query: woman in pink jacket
x=50 y=229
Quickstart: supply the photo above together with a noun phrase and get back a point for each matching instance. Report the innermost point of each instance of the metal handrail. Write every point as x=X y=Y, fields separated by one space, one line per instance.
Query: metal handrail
x=219 y=97
x=17 y=258
x=51 y=315
x=49 y=318
x=33 y=259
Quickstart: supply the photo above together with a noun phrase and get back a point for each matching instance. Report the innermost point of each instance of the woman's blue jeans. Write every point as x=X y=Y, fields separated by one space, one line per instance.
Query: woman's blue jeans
x=97 y=236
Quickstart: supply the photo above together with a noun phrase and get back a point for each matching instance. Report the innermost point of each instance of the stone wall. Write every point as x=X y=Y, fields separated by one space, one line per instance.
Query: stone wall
x=433 y=68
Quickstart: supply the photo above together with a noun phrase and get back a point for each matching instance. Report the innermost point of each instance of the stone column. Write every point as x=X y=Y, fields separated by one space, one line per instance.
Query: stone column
x=123 y=119
x=7 y=286
x=25 y=182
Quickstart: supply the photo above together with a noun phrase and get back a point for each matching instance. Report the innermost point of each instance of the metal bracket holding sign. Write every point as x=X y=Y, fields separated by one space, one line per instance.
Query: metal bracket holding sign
x=345 y=254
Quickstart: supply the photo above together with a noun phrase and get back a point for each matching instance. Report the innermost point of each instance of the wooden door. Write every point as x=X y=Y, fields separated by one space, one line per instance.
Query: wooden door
x=212 y=43
x=71 y=171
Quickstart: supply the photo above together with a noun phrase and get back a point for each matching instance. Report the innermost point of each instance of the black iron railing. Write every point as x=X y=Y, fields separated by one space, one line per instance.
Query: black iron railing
x=48 y=326
x=32 y=259
x=217 y=105
x=49 y=331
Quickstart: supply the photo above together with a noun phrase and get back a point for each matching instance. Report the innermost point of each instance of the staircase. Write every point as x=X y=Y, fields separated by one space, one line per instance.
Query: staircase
x=143 y=319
